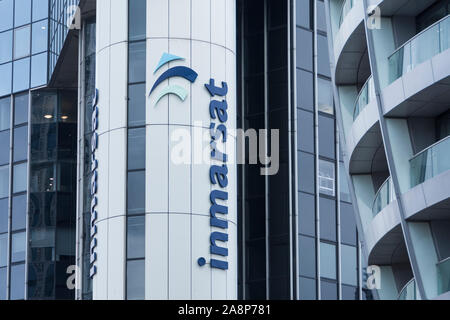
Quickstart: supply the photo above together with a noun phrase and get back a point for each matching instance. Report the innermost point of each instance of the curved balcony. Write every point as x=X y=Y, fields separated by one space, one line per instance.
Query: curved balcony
x=384 y=197
x=425 y=45
x=365 y=96
x=409 y=291
x=443 y=274
x=347 y=5
x=431 y=162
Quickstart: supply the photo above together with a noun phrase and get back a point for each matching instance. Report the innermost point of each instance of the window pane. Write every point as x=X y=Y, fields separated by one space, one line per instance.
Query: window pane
x=343 y=184
x=6 y=14
x=350 y=293
x=20 y=178
x=136 y=105
x=136 y=62
x=5 y=46
x=325 y=101
x=40 y=36
x=19 y=212
x=3 y=249
x=18 y=247
x=306 y=172
x=39 y=70
x=5 y=108
x=328 y=290
x=136 y=192
x=40 y=10
x=21 y=75
x=20 y=144
x=136 y=280
x=305 y=56
x=348 y=224
x=4 y=147
x=327 y=219
x=349 y=265
x=327 y=177
x=136 y=237
x=21 y=42
x=17 y=291
x=22 y=12
x=328 y=255
x=21 y=109
x=307 y=256
x=137 y=19
x=305 y=131
x=4 y=181
x=3 y=284
x=136 y=149
x=4 y=215
x=323 y=56
x=307 y=289
x=307 y=214
x=5 y=80
x=303 y=13
x=327 y=140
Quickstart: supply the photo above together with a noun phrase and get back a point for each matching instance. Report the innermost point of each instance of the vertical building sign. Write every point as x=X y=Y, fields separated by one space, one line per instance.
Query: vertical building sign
x=94 y=180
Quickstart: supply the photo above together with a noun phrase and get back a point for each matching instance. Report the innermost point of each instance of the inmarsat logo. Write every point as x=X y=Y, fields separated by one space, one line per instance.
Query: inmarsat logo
x=179 y=71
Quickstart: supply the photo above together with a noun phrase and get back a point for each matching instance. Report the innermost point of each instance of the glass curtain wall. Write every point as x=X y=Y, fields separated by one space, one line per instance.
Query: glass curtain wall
x=135 y=279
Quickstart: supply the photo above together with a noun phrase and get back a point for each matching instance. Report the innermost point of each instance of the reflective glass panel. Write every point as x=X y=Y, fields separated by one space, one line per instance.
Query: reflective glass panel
x=21 y=42
x=136 y=149
x=20 y=109
x=19 y=212
x=136 y=237
x=136 y=279
x=5 y=46
x=17 y=290
x=21 y=143
x=22 y=12
x=18 y=247
x=6 y=14
x=20 y=178
x=40 y=36
x=21 y=75
x=4 y=181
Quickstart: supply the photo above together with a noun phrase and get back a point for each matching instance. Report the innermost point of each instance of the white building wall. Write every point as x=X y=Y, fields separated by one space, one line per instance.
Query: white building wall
x=177 y=196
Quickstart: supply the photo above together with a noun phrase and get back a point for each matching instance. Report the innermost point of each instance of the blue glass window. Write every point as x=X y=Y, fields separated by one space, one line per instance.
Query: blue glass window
x=39 y=38
x=21 y=75
x=6 y=14
x=17 y=291
x=39 y=70
x=22 y=13
x=5 y=80
x=5 y=46
x=22 y=42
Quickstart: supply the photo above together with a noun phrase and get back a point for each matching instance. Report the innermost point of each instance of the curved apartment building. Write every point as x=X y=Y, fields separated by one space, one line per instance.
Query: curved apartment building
x=390 y=64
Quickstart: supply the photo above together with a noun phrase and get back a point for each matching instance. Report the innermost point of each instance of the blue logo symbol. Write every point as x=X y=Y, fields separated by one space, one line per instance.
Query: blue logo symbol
x=180 y=71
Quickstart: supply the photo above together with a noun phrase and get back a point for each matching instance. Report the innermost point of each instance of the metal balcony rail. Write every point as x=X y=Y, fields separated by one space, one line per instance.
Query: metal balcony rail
x=384 y=197
x=430 y=162
x=365 y=96
x=423 y=46
x=409 y=291
x=443 y=275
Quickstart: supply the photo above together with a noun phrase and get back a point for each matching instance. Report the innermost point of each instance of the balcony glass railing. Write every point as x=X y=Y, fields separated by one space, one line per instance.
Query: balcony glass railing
x=430 y=162
x=430 y=42
x=365 y=96
x=347 y=5
x=443 y=274
x=408 y=292
x=384 y=197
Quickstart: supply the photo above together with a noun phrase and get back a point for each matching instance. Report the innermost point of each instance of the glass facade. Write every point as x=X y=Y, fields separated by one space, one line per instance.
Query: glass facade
x=326 y=229
x=135 y=279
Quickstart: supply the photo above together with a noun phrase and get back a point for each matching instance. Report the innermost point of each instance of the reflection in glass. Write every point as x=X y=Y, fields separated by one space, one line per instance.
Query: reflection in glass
x=18 y=247
x=136 y=149
x=39 y=37
x=328 y=254
x=39 y=70
x=136 y=237
x=136 y=68
x=4 y=203
x=20 y=109
x=19 y=212
x=6 y=14
x=4 y=147
x=5 y=46
x=3 y=250
x=349 y=265
x=5 y=108
x=137 y=22
x=22 y=42
x=20 y=178
x=17 y=290
x=4 y=181
x=22 y=16
x=325 y=100
x=5 y=83
x=40 y=10
x=136 y=105
x=21 y=80
x=136 y=279
x=20 y=143
x=3 y=283
x=136 y=192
